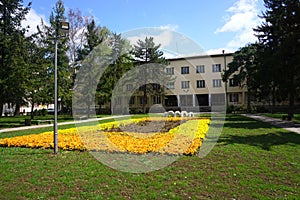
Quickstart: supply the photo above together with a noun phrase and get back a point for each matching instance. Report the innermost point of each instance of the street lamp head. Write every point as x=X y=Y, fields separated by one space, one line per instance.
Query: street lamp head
x=64 y=27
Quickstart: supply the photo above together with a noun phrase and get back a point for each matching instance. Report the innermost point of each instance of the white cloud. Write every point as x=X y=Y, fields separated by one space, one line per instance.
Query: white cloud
x=242 y=19
x=171 y=27
x=33 y=19
x=162 y=35
x=164 y=38
x=173 y=44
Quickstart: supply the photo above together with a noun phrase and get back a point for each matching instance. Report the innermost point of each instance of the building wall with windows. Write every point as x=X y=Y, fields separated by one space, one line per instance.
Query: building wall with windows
x=196 y=82
x=199 y=82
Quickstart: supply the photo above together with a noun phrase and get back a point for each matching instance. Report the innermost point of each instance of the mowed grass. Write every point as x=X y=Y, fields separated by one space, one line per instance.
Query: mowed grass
x=19 y=121
x=252 y=160
x=296 y=118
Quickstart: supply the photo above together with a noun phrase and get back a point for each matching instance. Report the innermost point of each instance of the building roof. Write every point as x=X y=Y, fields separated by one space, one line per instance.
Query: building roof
x=199 y=56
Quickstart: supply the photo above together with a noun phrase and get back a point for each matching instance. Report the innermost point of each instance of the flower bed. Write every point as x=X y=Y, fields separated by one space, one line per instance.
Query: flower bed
x=139 y=136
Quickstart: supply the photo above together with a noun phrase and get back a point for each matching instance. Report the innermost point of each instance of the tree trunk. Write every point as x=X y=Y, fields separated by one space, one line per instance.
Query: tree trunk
x=144 y=100
x=273 y=100
x=292 y=91
x=291 y=105
x=17 y=110
x=248 y=103
x=273 y=104
x=1 y=108
x=31 y=113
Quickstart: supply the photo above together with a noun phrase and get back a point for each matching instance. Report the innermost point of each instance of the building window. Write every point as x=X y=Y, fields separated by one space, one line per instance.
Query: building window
x=185 y=70
x=131 y=100
x=170 y=70
x=216 y=68
x=141 y=100
x=129 y=87
x=156 y=87
x=200 y=83
x=142 y=88
x=156 y=100
x=170 y=85
x=217 y=83
x=234 y=97
x=185 y=84
x=233 y=83
x=200 y=69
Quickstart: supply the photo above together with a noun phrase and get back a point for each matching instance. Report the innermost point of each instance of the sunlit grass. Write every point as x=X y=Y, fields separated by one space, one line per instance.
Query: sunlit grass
x=252 y=160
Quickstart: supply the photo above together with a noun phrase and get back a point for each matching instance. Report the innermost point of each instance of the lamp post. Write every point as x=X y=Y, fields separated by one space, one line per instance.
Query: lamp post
x=64 y=27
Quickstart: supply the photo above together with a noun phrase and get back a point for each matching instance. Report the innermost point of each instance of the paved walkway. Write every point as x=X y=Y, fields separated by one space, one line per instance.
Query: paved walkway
x=287 y=125
x=61 y=123
x=290 y=126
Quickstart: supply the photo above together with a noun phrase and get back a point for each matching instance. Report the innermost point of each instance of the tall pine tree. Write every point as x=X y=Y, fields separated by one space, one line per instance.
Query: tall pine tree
x=90 y=67
x=49 y=33
x=280 y=35
x=13 y=66
x=152 y=68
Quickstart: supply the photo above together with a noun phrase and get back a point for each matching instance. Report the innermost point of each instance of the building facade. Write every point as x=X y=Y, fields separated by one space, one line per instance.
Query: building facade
x=199 y=83
x=196 y=85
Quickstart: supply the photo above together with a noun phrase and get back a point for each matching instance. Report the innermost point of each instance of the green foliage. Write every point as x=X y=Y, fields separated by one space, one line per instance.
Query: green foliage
x=148 y=52
x=150 y=68
x=13 y=65
x=243 y=68
x=90 y=67
x=280 y=36
x=38 y=80
x=122 y=62
x=48 y=34
x=271 y=69
x=94 y=36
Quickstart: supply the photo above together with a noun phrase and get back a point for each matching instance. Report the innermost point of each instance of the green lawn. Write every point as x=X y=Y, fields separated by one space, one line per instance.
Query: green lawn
x=296 y=118
x=18 y=121
x=252 y=160
x=11 y=121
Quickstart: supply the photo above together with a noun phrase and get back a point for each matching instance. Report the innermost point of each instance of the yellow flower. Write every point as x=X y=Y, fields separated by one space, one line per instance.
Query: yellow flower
x=183 y=139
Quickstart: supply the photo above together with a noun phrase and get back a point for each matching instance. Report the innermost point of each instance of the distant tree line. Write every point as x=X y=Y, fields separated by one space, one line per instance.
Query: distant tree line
x=270 y=68
x=27 y=62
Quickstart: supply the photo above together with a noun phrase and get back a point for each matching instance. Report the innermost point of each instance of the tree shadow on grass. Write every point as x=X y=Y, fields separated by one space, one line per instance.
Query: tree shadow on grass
x=264 y=141
x=237 y=121
x=261 y=134
x=244 y=124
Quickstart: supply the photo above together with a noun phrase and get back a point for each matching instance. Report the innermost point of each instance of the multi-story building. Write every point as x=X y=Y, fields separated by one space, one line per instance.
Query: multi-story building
x=196 y=85
x=199 y=83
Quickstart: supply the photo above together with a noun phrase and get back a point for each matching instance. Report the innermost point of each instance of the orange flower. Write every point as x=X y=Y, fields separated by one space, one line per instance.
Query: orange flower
x=184 y=139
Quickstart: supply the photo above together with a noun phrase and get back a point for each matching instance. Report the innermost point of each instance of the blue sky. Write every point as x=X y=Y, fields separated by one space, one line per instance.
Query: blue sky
x=212 y=24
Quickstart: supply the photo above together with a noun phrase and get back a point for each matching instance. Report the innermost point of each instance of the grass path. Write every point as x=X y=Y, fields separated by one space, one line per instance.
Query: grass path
x=252 y=160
